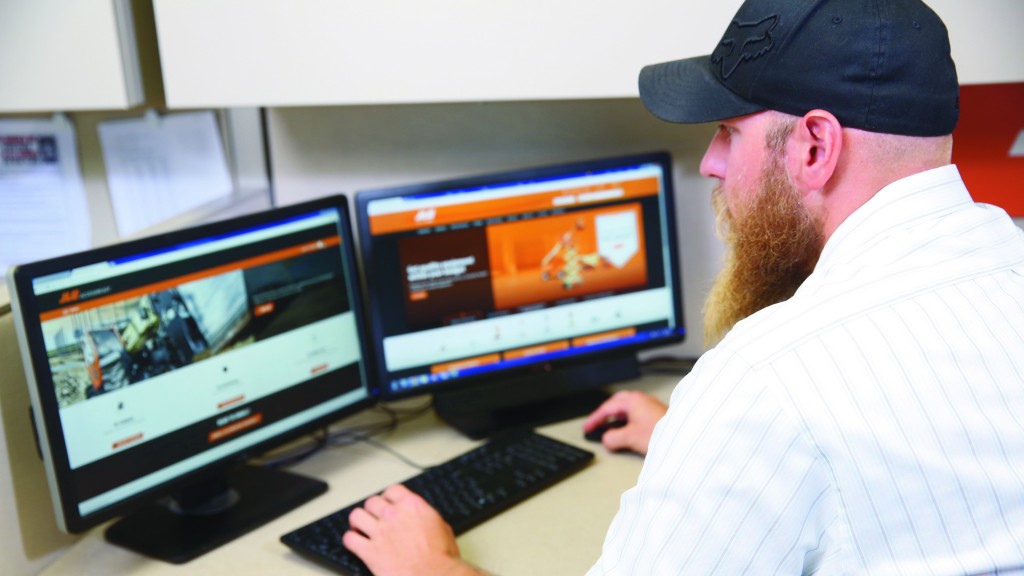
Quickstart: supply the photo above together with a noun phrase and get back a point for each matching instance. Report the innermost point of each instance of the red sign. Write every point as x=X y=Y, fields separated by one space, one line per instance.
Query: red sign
x=988 y=144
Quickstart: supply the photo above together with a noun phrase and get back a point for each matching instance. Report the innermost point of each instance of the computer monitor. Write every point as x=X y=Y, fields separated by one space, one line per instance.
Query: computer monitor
x=157 y=367
x=514 y=297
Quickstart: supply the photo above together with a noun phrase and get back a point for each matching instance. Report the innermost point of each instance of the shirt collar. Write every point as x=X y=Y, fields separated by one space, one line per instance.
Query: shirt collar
x=896 y=207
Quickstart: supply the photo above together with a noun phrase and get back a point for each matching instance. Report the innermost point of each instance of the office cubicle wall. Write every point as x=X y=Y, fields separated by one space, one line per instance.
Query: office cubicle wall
x=29 y=539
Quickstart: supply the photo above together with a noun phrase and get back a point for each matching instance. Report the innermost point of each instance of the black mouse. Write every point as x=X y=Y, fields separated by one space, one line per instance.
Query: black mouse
x=596 y=434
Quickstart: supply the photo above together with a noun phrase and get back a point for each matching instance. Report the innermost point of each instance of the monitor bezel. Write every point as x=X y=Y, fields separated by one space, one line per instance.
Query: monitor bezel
x=42 y=393
x=674 y=275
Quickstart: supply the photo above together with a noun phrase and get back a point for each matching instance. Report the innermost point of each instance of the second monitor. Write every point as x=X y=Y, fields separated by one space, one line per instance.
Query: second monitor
x=514 y=296
x=158 y=367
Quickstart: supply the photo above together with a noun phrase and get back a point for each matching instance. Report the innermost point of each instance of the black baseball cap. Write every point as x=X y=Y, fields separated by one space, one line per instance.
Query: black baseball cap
x=877 y=65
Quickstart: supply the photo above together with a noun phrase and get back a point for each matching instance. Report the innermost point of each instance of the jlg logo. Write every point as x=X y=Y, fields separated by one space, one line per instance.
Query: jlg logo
x=69 y=296
x=426 y=215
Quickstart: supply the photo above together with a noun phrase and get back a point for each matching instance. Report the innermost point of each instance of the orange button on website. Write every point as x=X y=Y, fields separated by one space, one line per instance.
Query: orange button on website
x=236 y=427
x=126 y=441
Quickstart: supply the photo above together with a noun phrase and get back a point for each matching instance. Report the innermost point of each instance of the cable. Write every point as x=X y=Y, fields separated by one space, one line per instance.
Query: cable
x=298 y=454
x=377 y=444
x=353 y=434
x=325 y=437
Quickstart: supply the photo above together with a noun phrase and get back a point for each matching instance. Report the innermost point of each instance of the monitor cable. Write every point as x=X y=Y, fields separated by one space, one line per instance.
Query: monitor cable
x=346 y=436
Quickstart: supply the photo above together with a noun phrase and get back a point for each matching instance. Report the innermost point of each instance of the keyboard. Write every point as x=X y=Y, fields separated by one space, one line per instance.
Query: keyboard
x=466 y=491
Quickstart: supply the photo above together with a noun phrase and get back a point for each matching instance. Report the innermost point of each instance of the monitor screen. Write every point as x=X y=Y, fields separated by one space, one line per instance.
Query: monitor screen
x=521 y=286
x=158 y=364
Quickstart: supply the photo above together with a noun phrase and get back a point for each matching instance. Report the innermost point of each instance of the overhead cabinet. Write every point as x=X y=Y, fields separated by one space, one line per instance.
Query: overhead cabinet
x=327 y=52
x=60 y=55
x=312 y=52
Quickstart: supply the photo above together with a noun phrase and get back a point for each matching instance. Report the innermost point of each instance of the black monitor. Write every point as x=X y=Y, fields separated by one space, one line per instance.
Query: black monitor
x=514 y=297
x=158 y=367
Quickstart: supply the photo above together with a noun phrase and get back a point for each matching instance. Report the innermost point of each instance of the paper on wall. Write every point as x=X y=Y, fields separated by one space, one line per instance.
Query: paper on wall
x=161 y=166
x=43 y=210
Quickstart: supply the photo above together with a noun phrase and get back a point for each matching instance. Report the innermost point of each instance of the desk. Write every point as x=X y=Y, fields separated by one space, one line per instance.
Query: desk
x=559 y=531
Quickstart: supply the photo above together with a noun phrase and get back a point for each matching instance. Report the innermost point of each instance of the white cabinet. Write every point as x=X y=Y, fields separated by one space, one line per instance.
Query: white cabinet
x=988 y=46
x=68 y=55
x=219 y=53
x=322 y=52
x=81 y=54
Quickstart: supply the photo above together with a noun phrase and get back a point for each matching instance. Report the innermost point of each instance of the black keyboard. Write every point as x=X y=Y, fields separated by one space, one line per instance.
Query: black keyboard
x=466 y=491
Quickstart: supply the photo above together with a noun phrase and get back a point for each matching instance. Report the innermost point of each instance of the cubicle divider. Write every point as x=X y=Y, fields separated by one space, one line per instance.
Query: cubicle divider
x=29 y=538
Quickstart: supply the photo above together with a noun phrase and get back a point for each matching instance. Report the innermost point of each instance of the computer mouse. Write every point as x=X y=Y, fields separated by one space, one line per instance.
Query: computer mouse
x=596 y=434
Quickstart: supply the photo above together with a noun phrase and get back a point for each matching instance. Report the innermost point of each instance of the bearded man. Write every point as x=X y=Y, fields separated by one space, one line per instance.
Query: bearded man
x=772 y=244
x=860 y=409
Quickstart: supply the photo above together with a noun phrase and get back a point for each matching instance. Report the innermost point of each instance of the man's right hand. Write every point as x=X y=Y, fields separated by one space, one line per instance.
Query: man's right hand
x=398 y=533
x=640 y=411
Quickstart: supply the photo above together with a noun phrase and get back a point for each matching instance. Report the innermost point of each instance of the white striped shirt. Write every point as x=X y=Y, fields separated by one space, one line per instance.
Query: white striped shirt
x=871 y=424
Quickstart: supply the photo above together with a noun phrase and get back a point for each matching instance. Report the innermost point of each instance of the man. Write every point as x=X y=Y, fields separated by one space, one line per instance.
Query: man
x=861 y=412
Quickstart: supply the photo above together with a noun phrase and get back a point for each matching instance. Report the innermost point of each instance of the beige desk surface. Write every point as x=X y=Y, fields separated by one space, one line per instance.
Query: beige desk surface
x=559 y=531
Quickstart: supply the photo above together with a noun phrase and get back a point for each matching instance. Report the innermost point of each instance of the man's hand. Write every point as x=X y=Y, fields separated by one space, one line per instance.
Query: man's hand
x=640 y=411
x=399 y=533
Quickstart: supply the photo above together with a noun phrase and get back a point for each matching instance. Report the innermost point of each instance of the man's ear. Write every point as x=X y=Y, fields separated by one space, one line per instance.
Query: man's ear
x=818 y=139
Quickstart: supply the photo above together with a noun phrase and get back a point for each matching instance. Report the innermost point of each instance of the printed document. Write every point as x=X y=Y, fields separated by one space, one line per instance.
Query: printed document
x=43 y=210
x=162 y=166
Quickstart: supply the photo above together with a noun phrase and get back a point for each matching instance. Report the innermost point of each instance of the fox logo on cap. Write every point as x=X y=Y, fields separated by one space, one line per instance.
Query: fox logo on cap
x=744 y=41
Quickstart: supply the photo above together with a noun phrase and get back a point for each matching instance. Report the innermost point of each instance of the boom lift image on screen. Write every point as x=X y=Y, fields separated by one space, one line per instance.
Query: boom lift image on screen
x=572 y=262
x=106 y=361
x=131 y=341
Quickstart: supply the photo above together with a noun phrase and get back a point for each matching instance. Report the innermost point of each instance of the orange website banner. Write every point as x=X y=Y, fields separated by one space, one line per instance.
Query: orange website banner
x=603 y=337
x=567 y=198
x=537 y=350
x=466 y=363
x=253 y=262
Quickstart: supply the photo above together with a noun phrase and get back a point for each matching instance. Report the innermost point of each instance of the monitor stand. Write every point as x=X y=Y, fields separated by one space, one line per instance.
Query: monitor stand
x=549 y=394
x=213 y=512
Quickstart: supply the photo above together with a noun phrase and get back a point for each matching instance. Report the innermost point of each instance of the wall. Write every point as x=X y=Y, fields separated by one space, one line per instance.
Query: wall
x=29 y=539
